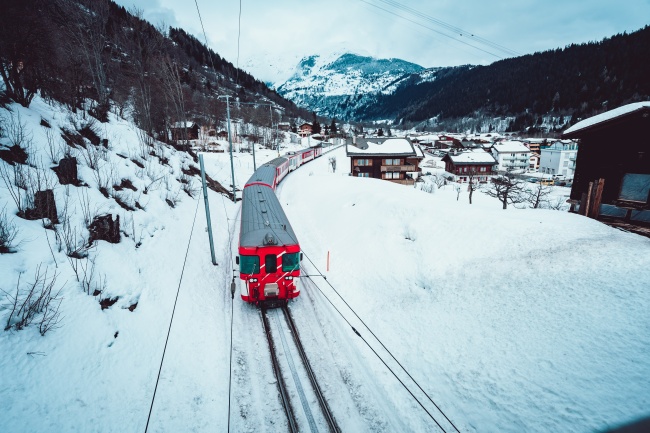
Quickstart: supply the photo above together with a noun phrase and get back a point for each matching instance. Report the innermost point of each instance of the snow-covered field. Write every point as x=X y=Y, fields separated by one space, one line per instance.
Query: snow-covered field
x=515 y=320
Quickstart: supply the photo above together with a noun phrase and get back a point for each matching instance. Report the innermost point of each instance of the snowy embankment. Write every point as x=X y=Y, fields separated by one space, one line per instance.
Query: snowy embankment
x=516 y=320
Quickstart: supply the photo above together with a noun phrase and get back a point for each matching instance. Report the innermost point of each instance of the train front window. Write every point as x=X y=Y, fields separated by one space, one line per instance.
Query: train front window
x=271 y=263
x=290 y=262
x=249 y=264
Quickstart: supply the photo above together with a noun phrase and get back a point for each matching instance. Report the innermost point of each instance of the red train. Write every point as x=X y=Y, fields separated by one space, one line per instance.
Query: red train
x=269 y=252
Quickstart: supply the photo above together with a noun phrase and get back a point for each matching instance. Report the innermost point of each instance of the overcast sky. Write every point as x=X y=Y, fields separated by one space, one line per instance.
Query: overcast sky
x=426 y=32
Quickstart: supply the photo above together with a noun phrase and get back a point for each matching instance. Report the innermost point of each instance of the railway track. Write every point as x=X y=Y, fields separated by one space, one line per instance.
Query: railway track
x=312 y=413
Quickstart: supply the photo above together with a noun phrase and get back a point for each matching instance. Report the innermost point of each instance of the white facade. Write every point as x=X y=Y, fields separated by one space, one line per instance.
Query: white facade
x=511 y=156
x=559 y=159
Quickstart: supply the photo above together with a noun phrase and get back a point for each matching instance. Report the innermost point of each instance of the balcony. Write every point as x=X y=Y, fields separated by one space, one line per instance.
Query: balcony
x=397 y=168
x=402 y=181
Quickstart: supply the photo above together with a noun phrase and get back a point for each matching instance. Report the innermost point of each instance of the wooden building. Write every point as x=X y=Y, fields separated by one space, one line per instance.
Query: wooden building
x=184 y=131
x=394 y=159
x=476 y=164
x=612 y=175
x=305 y=130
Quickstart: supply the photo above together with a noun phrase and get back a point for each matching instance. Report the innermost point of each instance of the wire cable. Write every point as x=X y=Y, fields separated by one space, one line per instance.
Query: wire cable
x=450 y=27
x=432 y=29
x=238 y=39
x=172 y=318
x=271 y=228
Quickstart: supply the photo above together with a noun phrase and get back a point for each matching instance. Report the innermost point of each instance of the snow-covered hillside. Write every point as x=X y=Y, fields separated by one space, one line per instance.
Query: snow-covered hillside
x=510 y=320
x=334 y=85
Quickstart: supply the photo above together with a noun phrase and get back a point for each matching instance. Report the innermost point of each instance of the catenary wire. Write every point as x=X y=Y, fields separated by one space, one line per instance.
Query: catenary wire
x=450 y=27
x=430 y=28
x=377 y=338
x=162 y=359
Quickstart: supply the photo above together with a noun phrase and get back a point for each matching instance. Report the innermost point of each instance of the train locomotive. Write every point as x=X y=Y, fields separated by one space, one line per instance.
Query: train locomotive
x=269 y=252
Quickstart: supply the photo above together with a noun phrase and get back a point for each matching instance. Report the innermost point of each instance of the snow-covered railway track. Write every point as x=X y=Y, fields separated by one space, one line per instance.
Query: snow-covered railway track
x=291 y=376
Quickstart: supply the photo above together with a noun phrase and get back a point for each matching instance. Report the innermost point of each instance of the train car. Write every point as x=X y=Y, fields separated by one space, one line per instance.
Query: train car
x=306 y=155
x=269 y=252
x=318 y=150
x=294 y=160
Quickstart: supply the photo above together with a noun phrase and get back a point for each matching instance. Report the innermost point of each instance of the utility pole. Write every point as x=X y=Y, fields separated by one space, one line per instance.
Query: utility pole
x=207 y=209
x=232 y=165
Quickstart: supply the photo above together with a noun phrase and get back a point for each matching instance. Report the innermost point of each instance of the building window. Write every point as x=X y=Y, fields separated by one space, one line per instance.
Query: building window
x=363 y=174
x=363 y=162
x=392 y=175
x=392 y=162
x=635 y=187
x=482 y=169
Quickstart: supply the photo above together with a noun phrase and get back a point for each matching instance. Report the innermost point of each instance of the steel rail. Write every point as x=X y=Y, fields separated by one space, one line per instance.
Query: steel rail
x=325 y=409
x=282 y=389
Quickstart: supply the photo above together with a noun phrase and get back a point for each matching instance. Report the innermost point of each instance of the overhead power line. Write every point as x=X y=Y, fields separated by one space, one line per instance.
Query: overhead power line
x=496 y=49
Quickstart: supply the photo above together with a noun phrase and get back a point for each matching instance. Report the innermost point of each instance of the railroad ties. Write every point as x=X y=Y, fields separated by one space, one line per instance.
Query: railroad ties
x=313 y=413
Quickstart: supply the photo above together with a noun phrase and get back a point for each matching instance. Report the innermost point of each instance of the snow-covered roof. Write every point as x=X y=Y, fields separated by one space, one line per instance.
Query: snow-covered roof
x=510 y=147
x=608 y=115
x=391 y=146
x=187 y=124
x=476 y=157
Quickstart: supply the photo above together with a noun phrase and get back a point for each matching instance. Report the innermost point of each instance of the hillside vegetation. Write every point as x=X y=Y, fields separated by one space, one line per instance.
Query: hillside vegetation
x=577 y=81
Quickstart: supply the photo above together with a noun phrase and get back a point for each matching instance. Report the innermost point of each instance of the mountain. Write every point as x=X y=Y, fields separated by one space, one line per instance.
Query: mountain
x=334 y=86
x=575 y=82
x=545 y=91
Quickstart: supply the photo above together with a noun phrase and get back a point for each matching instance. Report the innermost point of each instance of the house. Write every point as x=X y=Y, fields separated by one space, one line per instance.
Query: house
x=446 y=142
x=511 y=156
x=393 y=159
x=477 y=164
x=184 y=131
x=284 y=126
x=559 y=158
x=612 y=174
x=305 y=130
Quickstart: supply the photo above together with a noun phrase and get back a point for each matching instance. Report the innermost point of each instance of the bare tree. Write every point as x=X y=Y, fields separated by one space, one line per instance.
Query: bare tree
x=537 y=196
x=171 y=80
x=472 y=184
x=87 y=30
x=333 y=163
x=506 y=188
x=8 y=233
x=37 y=298
x=25 y=48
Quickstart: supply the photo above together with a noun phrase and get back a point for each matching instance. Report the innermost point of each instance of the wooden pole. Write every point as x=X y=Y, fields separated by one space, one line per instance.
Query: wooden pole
x=586 y=205
x=598 y=196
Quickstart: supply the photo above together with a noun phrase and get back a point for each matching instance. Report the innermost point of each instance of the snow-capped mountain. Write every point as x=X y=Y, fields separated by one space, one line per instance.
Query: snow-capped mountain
x=335 y=85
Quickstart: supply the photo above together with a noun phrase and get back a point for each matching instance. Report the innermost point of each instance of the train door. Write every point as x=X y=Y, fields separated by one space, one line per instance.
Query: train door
x=271 y=266
x=271 y=263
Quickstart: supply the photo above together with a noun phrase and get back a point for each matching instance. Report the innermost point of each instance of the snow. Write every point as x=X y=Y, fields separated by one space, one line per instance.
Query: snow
x=511 y=320
x=390 y=146
x=608 y=115
x=477 y=156
x=510 y=146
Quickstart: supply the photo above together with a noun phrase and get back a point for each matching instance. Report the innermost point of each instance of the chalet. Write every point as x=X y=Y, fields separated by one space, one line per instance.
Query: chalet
x=184 y=131
x=476 y=164
x=284 y=126
x=305 y=130
x=511 y=156
x=612 y=175
x=393 y=159
x=446 y=142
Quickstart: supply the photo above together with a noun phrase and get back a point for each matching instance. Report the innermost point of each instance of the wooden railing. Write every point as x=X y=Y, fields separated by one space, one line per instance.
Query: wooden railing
x=397 y=168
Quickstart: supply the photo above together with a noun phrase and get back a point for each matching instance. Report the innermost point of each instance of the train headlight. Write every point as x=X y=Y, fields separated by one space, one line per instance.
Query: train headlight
x=253 y=280
x=288 y=278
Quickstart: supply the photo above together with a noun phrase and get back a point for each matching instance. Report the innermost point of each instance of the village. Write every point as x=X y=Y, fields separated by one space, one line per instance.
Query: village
x=610 y=186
